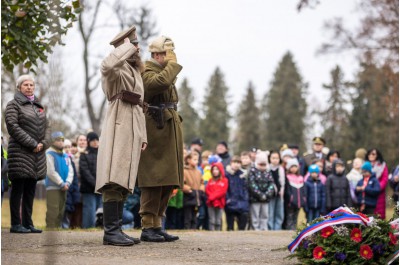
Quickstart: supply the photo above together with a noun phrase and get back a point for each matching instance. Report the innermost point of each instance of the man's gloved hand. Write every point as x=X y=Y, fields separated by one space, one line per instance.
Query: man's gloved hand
x=171 y=56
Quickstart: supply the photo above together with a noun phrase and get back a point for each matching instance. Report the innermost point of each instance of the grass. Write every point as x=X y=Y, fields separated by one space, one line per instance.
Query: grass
x=39 y=214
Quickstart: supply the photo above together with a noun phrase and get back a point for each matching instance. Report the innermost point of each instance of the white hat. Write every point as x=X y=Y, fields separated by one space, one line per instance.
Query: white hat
x=292 y=162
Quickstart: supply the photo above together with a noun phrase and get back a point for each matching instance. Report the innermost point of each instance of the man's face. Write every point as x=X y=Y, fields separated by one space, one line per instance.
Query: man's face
x=317 y=147
x=196 y=147
x=160 y=57
x=221 y=149
x=295 y=151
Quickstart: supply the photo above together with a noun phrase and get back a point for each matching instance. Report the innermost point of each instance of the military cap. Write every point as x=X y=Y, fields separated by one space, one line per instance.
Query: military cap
x=293 y=146
x=197 y=141
x=127 y=33
x=319 y=140
x=161 y=44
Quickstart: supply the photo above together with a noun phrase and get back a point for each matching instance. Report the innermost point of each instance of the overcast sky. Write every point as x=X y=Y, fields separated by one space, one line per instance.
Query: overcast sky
x=246 y=39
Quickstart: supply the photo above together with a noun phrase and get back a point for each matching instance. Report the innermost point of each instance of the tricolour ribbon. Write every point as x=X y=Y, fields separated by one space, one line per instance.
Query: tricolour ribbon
x=341 y=215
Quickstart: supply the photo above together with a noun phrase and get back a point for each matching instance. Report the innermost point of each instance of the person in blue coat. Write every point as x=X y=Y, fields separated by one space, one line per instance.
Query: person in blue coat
x=367 y=189
x=315 y=194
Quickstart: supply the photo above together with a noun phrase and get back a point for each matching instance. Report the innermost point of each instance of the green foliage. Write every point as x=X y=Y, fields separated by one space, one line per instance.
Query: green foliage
x=376 y=236
x=335 y=116
x=284 y=107
x=188 y=113
x=31 y=28
x=248 y=121
x=374 y=121
x=214 y=126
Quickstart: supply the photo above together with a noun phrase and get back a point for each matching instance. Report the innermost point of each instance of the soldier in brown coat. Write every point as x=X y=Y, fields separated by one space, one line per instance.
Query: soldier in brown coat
x=123 y=136
x=161 y=165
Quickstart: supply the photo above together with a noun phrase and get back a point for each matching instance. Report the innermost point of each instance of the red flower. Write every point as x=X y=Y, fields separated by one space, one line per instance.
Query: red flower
x=393 y=239
x=366 y=252
x=327 y=232
x=356 y=235
x=318 y=253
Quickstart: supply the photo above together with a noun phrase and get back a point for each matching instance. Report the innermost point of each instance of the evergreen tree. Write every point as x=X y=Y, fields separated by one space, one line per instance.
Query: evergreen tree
x=189 y=115
x=335 y=116
x=374 y=122
x=214 y=126
x=248 y=122
x=284 y=107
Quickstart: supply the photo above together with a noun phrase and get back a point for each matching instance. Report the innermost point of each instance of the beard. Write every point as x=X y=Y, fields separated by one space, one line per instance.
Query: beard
x=136 y=62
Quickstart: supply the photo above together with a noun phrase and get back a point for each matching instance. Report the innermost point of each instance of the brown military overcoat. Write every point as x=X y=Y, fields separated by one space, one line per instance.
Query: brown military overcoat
x=124 y=129
x=161 y=164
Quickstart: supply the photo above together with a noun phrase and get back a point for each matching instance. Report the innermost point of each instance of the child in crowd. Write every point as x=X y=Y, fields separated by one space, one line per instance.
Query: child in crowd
x=91 y=201
x=275 y=208
x=73 y=194
x=174 y=213
x=59 y=177
x=295 y=196
x=246 y=162
x=315 y=192
x=354 y=176
x=202 y=217
x=237 y=197
x=367 y=190
x=261 y=190
x=216 y=192
x=321 y=176
x=286 y=154
x=337 y=187
x=193 y=190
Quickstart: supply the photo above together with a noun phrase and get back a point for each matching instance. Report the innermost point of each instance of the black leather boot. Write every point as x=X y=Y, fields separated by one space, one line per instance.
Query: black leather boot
x=112 y=229
x=19 y=229
x=149 y=235
x=167 y=237
x=120 y=213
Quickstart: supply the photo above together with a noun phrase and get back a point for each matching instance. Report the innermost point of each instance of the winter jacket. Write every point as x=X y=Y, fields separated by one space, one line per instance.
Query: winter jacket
x=226 y=159
x=73 y=194
x=315 y=195
x=87 y=169
x=382 y=174
x=193 y=187
x=261 y=186
x=321 y=177
x=59 y=169
x=177 y=200
x=369 y=196
x=237 y=196
x=337 y=190
x=216 y=188
x=295 y=194
x=394 y=184
x=28 y=126
x=216 y=192
x=278 y=174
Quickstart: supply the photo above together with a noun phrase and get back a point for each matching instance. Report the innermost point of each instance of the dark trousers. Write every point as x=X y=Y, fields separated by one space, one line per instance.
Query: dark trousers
x=202 y=219
x=240 y=217
x=174 y=218
x=189 y=213
x=22 y=191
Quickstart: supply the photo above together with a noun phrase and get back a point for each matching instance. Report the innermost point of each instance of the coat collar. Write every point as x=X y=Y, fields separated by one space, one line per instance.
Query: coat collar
x=24 y=100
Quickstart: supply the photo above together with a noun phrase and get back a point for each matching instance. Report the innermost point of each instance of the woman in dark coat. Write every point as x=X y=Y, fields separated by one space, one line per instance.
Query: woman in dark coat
x=29 y=138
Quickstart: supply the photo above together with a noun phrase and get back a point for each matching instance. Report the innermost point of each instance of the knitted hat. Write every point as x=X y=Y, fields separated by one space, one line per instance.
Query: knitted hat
x=57 y=135
x=24 y=78
x=292 y=162
x=161 y=44
x=313 y=169
x=67 y=142
x=262 y=157
x=129 y=33
x=367 y=167
x=91 y=137
x=287 y=152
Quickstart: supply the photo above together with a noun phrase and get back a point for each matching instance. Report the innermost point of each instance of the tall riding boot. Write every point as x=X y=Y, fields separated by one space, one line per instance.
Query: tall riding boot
x=112 y=229
x=120 y=213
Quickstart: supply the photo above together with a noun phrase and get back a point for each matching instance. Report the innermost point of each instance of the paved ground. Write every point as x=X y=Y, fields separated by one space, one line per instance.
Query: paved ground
x=194 y=247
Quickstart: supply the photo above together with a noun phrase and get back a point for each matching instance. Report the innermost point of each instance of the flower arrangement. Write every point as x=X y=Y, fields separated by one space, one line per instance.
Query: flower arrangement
x=345 y=237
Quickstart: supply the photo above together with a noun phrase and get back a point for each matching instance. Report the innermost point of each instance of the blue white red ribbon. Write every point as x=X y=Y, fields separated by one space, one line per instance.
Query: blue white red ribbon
x=341 y=215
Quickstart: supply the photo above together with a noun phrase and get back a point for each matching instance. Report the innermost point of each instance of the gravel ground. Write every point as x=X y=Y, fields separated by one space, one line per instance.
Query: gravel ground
x=194 y=247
